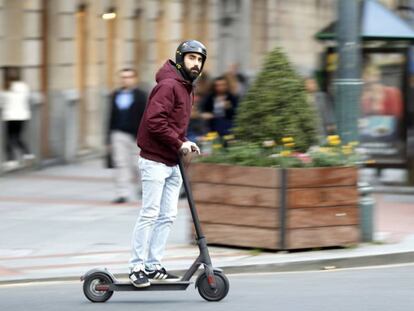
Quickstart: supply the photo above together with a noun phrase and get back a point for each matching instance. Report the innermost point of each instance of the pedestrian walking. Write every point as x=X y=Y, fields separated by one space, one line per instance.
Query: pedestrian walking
x=127 y=106
x=16 y=113
x=161 y=136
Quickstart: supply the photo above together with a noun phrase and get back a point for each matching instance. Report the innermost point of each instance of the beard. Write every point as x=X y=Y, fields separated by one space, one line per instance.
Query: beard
x=193 y=72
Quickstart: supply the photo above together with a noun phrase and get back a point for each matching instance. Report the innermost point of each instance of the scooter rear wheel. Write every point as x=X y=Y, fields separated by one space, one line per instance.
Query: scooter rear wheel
x=222 y=287
x=90 y=283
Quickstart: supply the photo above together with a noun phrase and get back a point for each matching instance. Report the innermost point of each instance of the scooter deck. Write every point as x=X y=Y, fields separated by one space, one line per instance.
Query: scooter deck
x=126 y=286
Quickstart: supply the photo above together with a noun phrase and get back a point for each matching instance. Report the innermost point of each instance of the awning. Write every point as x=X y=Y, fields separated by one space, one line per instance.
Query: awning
x=377 y=23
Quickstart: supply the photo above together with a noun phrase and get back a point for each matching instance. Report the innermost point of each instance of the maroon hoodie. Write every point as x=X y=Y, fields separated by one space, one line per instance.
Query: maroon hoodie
x=164 y=124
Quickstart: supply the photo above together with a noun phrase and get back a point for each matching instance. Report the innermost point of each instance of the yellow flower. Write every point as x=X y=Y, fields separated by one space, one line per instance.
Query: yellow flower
x=217 y=146
x=207 y=138
x=212 y=134
x=333 y=137
x=287 y=140
x=269 y=143
x=285 y=153
x=334 y=140
x=290 y=145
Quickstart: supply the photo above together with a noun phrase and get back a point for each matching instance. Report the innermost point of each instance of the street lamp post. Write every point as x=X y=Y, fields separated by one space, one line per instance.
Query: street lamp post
x=348 y=81
x=406 y=11
x=348 y=86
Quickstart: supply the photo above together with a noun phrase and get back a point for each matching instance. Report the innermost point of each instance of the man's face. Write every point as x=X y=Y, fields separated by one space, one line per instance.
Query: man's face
x=192 y=64
x=128 y=78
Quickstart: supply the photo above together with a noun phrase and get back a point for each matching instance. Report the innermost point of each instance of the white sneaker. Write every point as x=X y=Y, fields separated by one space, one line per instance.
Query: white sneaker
x=11 y=165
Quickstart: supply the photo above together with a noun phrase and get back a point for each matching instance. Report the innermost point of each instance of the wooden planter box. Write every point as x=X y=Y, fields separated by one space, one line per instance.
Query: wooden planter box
x=276 y=208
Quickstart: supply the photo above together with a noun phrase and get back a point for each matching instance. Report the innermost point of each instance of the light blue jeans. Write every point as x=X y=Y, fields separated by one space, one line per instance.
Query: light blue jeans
x=160 y=193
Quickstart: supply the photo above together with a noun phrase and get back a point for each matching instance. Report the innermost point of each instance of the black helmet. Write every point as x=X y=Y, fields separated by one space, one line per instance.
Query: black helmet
x=190 y=46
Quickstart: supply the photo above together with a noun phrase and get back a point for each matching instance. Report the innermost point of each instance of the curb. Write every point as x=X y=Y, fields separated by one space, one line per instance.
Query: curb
x=311 y=265
x=327 y=264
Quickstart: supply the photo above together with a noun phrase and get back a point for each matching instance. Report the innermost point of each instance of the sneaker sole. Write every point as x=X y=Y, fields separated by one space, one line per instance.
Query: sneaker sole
x=141 y=285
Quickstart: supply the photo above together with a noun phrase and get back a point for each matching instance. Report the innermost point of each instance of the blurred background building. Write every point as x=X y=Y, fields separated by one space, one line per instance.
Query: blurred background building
x=69 y=51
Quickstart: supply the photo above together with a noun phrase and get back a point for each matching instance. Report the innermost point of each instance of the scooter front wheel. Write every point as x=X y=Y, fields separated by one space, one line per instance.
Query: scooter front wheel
x=91 y=287
x=209 y=294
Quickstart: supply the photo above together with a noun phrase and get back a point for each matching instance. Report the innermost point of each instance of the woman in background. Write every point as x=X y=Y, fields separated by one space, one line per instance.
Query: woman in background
x=16 y=111
x=219 y=107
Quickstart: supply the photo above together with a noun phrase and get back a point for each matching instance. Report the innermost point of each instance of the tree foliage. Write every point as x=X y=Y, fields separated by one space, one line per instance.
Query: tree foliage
x=275 y=106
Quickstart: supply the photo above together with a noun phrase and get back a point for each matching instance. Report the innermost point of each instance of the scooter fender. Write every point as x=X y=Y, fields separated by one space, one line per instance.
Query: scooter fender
x=214 y=269
x=98 y=270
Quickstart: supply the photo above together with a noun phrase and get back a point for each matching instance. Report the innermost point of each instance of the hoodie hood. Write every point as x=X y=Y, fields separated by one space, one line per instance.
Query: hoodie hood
x=164 y=125
x=169 y=71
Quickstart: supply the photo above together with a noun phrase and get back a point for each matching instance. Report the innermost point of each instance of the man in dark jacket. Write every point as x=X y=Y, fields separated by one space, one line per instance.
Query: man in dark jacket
x=161 y=136
x=127 y=108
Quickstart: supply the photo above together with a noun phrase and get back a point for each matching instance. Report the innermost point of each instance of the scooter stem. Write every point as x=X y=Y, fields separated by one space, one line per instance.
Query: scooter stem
x=194 y=214
x=204 y=257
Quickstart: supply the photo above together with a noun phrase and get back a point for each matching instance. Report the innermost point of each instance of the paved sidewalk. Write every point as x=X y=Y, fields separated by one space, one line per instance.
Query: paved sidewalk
x=59 y=223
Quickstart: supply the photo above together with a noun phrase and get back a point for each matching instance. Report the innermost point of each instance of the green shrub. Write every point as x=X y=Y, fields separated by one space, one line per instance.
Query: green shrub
x=275 y=106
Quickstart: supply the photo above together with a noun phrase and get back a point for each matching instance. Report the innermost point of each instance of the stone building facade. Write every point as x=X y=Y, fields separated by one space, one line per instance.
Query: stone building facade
x=69 y=54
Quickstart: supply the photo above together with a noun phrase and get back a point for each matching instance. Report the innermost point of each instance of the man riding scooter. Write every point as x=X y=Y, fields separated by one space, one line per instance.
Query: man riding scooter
x=161 y=137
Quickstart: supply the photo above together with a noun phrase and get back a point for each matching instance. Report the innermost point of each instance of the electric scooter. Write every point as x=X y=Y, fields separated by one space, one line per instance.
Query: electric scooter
x=212 y=284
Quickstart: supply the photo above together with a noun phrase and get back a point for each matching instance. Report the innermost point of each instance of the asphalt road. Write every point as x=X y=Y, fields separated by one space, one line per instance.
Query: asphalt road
x=379 y=289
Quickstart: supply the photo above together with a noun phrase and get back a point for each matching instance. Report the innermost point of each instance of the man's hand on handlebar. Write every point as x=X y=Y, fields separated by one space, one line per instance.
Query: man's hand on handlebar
x=188 y=147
